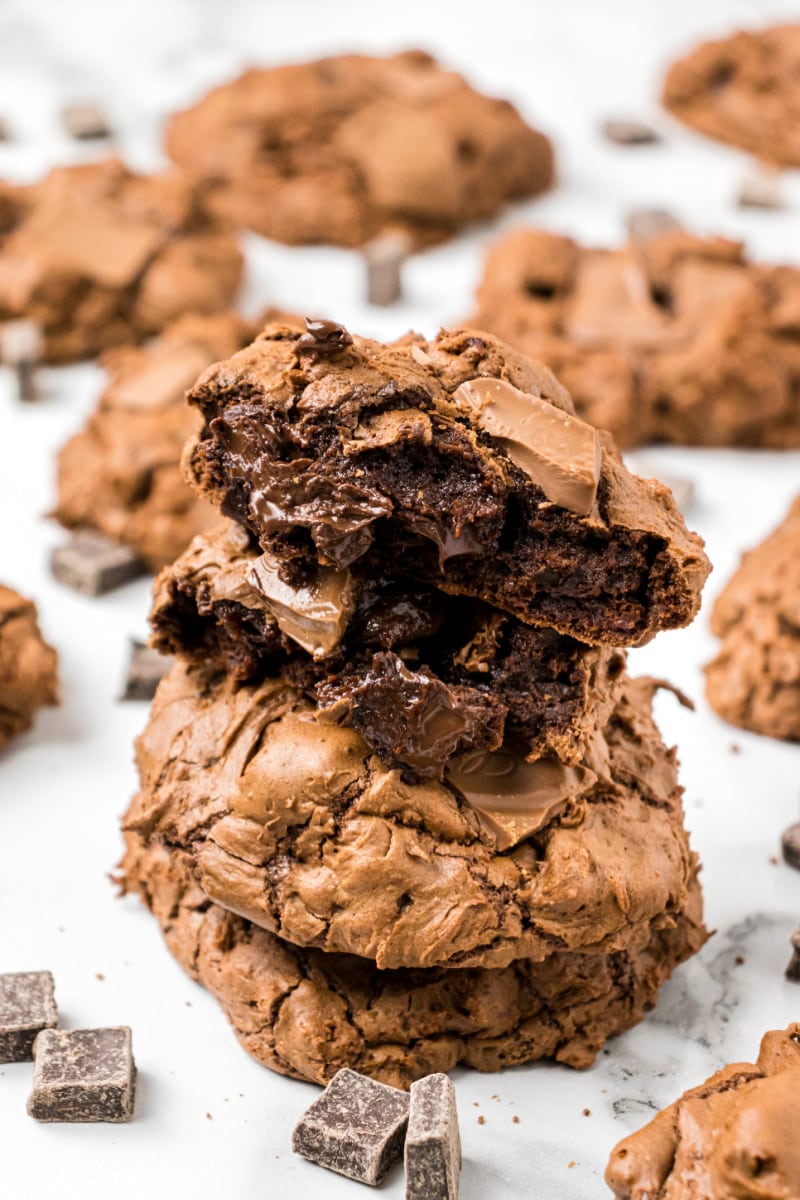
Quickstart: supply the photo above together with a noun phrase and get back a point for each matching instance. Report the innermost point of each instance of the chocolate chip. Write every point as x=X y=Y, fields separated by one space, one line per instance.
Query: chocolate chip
x=646 y=223
x=384 y=258
x=629 y=131
x=760 y=190
x=83 y=1075
x=323 y=338
x=93 y=564
x=85 y=122
x=146 y=669
x=433 y=1146
x=356 y=1127
x=21 y=350
x=790 y=845
x=793 y=969
x=27 y=1007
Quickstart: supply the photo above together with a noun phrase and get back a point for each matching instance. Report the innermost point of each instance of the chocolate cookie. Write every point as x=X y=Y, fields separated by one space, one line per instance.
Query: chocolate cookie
x=420 y=675
x=121 y=473
x=100 y=256
x=293 y=824
x=734 y=1137
x=307 y=1014
x=458 y=459
x=754 y=681
x=342 y=149
x=671 y=338
x=28 y=666
x=743 y=89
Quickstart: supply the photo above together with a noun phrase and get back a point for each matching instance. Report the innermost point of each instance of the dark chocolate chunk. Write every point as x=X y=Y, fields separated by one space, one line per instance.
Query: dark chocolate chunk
x=793 y=969
x=629 y=131
x=85 y=122
x=93 y=564
x=27 y=1007
x=761 y=190
x=646 y=223
x=356 y=1127
x=146 y=669
x=21 y=350
x=433 y=1145
x=384 y=259
x=790 y=844
x=83 y=1075
x=323 y=338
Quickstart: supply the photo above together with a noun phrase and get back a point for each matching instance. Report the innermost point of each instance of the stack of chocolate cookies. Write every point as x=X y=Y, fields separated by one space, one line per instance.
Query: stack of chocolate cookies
x=401 y=806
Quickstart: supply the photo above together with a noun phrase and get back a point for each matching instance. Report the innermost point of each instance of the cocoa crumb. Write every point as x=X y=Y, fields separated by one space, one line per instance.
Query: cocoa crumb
x=481 y=1120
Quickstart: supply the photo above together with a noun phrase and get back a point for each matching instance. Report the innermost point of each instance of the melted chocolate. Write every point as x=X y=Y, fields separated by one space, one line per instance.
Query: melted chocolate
x=323 y=338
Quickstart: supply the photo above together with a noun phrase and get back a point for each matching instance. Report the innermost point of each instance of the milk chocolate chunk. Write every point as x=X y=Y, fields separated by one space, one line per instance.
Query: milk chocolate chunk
x=646 y=223
x=355 y=1128
x=323 y=338
x=793 y=969
x=384 y=258
x=629 y=131
x=559 y=452
x=85 y=122
x=760 y=189
x=93 y=564
x=790 y=845
x=83 y=1075
x=146 y=669
x=21 y=350
x=433 y=1145
x=27 y=1006
x=315 y=615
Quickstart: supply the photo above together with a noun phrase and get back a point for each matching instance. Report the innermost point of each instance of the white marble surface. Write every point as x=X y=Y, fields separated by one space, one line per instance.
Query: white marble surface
x=63 y=787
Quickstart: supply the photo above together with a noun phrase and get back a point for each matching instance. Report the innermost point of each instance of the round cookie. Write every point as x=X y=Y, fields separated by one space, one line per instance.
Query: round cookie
x=293 y=824
x=28 y=666
x=307 y=1014
x=342 y=149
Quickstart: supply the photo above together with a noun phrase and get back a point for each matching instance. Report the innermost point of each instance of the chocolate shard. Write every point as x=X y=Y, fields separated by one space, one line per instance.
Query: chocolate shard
x=433 y=1145
x=793 y=969
x=85 y=122
x=21 y=350
x=761 y=190
x=27 y=1006
x=83 y=1075
x=384 y=258
x=93 y=564
x=146 y=669
x=629 y=131
x=356 y=1127
x=790 y=845
x=323 y=338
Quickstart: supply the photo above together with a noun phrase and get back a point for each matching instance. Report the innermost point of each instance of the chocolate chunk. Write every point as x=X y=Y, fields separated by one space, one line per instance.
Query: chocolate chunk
x=356 y=1127
x=85 y=122
x=646 y=223
x=83 y=1075
x=314 y=616
x=93 y=564
x=27 y=1007
x=323 y=338
x=21 y=350
x=559 y=452
x=5 y=130
x=628 y=131
x=146 y=669
x=384 y=258
x=790 y=844
x=433 y=1146
x=761 y=190
x=793 y=969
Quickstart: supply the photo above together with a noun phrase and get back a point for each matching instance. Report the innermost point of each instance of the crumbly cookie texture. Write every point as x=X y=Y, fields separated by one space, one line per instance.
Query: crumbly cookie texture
x=732 y=1138
x=422 y=676
x=743 y=89
x=121 y=473
x=754 y=682
x=342 y=149
x=670 y=338
x=292 y=823
x=28 y=666
x=307 y=1014
x=98 y=256
x=336 y=450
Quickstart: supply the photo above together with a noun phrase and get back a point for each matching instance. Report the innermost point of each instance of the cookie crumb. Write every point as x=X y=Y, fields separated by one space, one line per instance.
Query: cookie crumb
x=481 y=1120
x=209 y=1117
x=739 y=960
x=99 y=975
x=587 y=1112
x=515 y=1120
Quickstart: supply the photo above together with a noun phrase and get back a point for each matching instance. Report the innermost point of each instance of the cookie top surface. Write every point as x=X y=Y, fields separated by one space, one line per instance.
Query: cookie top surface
x=754 y=682
x=121 y=473
x=459 y=454
x=671 y=337
x=734 y=1137
x=28 y=666
x=344 y=148
x=743 y=89
x=101 y=256
x=296 y=826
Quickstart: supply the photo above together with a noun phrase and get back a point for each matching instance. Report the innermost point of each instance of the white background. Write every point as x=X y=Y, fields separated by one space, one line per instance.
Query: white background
x=63 y=787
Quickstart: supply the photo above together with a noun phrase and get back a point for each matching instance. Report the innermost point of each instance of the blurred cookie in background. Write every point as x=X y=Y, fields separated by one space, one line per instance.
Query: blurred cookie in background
x=28 y=666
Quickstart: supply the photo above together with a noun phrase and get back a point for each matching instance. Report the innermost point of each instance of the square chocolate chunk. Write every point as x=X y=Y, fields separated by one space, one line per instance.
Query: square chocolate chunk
x=146 y=669
x=356 y=1127
x=27 y=1007
x=83 y=1075
x=93 y=564
x=433 y=1145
